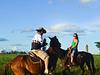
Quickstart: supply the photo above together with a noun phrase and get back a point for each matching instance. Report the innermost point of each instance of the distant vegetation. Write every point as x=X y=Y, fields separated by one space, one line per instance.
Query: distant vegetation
x=12 y=52
x=98 y=46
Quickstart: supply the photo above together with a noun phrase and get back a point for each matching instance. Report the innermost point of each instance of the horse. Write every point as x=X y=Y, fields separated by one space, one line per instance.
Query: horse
x=23 y=64
x=80 y=59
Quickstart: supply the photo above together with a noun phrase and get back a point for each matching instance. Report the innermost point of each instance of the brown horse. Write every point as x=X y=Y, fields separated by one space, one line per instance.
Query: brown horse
x=80 y=59
x=22 y=64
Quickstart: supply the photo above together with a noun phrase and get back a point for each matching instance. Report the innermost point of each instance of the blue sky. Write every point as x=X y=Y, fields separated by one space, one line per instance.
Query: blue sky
x=20 y=18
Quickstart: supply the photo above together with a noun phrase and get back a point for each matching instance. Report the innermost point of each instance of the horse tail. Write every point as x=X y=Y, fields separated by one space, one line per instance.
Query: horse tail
x=92 y=63
x=6 y=68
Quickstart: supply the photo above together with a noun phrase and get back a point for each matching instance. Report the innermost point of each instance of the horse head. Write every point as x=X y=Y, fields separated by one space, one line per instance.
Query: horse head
x=54 y=45
x=54 y=42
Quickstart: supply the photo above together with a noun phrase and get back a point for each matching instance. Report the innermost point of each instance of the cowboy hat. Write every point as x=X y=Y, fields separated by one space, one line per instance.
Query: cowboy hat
x=41 y=30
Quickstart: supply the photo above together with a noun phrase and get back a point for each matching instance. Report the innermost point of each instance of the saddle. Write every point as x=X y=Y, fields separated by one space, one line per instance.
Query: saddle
x=34 y=58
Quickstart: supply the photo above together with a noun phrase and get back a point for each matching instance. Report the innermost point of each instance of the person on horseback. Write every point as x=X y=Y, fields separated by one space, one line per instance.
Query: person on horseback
x=37 y=47
x=74 y=46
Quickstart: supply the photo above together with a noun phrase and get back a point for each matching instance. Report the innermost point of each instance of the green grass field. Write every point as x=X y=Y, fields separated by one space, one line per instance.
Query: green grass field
x=4 y=58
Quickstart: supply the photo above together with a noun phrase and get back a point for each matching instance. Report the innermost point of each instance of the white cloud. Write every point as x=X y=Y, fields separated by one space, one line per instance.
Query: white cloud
x=81 y=1
x=14 y=48
x=66 y=29
x=87 y=1
x=16 y=45
x=3 y=39
x=54 y=1
x=57 y=28
x=27 y=30
x=50 y=1
x=93 y=26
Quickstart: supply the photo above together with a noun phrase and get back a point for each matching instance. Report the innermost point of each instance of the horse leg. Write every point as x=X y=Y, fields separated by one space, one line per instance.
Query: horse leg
x=63 y=72
x=89 y=68
x=82 y=68
x=17 y=70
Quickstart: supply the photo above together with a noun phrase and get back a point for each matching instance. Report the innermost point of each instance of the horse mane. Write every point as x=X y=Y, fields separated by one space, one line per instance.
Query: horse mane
x=57 y=47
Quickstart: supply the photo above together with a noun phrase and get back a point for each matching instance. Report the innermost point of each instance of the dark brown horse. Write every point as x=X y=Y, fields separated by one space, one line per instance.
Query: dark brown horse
x=22 y=64
x=80 y=59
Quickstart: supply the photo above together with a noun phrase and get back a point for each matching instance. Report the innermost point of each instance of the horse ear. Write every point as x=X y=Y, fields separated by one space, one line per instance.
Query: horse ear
x=55 y=37
x=49 y=37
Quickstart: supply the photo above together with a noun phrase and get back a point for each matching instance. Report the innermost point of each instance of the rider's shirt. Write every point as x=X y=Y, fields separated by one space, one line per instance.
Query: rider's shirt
x=74 y=46
x=37 y=42
x=73 y=43
x=38 y=38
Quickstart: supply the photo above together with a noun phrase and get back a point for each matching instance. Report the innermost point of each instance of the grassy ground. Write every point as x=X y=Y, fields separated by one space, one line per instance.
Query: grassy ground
x=4 y=58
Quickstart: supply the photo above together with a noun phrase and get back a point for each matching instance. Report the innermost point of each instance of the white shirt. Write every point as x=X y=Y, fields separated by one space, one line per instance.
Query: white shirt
x=38 y=38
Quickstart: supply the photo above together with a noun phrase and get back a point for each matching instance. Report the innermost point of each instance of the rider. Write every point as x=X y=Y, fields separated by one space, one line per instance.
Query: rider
x=37 y=44
x=74 y=46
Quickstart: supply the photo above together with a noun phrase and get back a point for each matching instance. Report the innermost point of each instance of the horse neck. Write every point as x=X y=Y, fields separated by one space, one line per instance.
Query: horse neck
x=52 y=49
x=61 y=53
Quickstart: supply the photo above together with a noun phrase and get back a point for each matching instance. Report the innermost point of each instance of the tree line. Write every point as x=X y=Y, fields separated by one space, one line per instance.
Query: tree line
x=13 y=52
x=97 y=44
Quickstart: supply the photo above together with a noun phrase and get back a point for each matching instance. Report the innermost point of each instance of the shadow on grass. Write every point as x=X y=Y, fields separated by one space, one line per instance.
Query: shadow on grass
x=64 y=73
x=97 y=72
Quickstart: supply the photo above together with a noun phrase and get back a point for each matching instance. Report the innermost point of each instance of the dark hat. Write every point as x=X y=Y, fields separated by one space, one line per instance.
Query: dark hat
x=41 y=30
x=75 y=34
